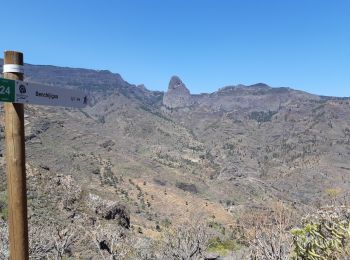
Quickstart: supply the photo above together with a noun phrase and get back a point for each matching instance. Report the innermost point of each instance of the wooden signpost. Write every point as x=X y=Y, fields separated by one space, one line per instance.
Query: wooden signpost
x=14 y=92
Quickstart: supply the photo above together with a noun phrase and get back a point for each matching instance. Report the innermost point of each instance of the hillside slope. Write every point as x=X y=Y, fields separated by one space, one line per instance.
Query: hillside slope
x=211 y=154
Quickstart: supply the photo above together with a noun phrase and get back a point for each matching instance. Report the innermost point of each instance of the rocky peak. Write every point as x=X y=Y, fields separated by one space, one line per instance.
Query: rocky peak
x=176 y=83
x=260 y=85
x=177 y=95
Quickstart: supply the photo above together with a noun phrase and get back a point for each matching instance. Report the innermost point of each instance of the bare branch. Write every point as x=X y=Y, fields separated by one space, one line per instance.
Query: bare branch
x=188 y=241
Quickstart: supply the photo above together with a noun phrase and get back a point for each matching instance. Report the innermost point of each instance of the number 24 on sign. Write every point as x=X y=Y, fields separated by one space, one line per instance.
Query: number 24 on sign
x=7 y=90
x=4 y=90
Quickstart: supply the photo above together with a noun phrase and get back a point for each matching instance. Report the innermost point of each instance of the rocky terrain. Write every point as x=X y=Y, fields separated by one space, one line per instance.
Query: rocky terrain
x=149 y=159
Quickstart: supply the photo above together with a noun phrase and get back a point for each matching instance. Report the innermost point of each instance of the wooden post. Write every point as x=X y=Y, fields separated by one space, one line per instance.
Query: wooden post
x=16 y=171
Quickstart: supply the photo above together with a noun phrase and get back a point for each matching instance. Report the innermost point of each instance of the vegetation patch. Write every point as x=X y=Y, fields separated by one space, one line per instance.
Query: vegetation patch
x=325 y=235
x=156 y=113
x=262 y=116
x=3 y=205
x=222 y=247
x=160 y=182
x=187 y=187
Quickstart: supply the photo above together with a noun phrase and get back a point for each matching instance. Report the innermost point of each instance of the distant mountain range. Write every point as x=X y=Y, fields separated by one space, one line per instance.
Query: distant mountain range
x=238 y=147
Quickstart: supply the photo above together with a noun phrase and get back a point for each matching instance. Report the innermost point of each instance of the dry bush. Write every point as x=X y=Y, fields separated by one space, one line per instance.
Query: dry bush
x=67 y=190
x=271 y=244
x=40 y=242
x=111 y=241
x=63 y=240
x=4 y=250
x=144 y=249
x=267 y=232
x=45 y=242
x=187 y=241
x=51 y=241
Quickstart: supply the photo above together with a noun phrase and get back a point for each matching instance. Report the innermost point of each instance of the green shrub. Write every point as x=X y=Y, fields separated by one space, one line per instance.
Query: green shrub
x=3 y=205
x=324 y=236
x=262 y=116
x=166 y=222
x=222 y=247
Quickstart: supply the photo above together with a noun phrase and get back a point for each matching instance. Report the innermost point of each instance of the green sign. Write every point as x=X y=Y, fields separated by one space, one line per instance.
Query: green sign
x=16 y=91
x=7 y=90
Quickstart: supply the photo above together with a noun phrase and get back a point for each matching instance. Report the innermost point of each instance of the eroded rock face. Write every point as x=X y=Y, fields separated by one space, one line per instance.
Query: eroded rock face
x=115 y=212
x=110 y=210
x=177 y=95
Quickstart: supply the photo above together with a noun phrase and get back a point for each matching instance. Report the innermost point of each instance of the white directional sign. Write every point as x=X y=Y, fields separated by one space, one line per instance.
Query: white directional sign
x=33 y=93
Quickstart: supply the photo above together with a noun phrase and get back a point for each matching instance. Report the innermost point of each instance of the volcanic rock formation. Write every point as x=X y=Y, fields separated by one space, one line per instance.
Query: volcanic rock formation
x=177 y=95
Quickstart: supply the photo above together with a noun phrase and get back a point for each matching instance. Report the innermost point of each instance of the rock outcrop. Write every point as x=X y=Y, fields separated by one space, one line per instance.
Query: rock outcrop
x=110 y=210
x=177 y=95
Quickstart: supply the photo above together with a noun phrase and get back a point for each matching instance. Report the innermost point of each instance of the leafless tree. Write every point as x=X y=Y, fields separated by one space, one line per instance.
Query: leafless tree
x=50 y=242
x=40 y=242
x=272 y=245
x=111 y=241
x=272 y=239
x=143 y=248
x=187 y=241
x=63 y=240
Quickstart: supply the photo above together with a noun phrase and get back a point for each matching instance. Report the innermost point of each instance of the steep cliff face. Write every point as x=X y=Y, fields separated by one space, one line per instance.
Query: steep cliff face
x=177 y=95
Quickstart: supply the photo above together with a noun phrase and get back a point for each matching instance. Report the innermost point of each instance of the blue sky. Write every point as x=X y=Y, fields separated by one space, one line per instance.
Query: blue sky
x=303 y=44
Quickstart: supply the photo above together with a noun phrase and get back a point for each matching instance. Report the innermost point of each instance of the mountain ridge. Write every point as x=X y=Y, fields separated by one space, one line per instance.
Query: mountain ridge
x=32 y=68
x=226 y=153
